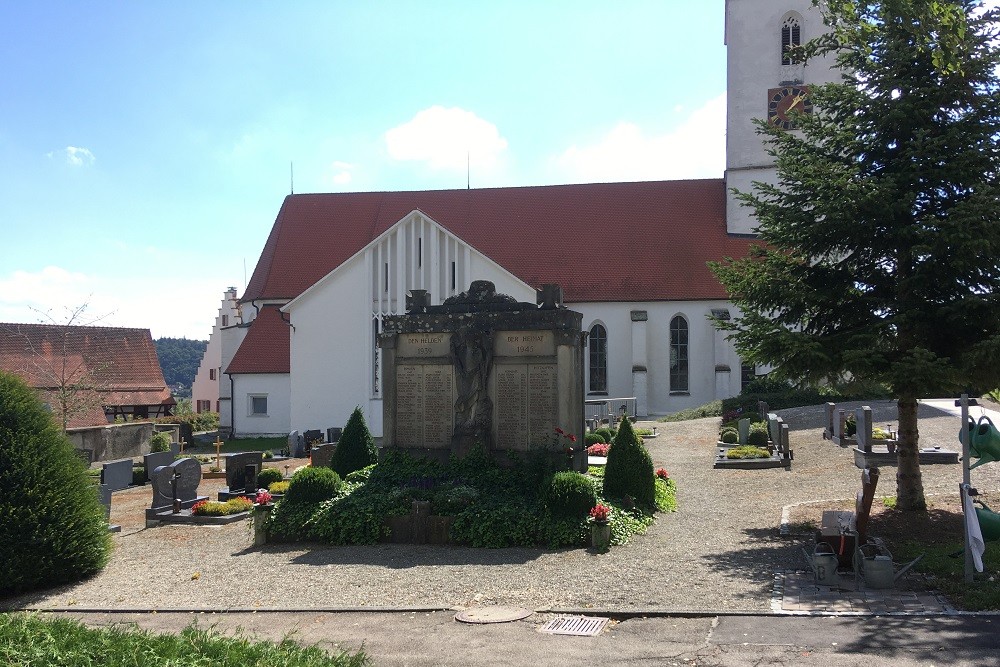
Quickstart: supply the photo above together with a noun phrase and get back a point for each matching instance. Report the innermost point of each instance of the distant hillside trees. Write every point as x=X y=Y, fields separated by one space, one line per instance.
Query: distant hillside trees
x=179 y=359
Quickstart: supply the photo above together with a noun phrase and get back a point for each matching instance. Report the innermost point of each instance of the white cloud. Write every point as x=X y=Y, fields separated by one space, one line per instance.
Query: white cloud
x=694 y=149
x=340 y=173
x=447 y=139
x=52 y=294
x=75 y=156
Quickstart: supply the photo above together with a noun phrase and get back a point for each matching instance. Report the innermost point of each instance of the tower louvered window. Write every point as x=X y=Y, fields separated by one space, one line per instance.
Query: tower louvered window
x=791 y=36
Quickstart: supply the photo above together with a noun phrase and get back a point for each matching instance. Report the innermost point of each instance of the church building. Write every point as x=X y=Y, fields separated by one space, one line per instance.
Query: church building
x=301 y=352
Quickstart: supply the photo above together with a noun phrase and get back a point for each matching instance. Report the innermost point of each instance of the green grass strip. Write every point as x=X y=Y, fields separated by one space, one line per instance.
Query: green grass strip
x=28 y=640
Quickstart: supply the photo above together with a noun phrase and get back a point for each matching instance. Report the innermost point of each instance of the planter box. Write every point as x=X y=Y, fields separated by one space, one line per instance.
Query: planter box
x=774 y=461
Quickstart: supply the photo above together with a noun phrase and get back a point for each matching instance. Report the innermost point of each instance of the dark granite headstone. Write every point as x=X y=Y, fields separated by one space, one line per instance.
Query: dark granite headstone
x=333 y=434
x=117 y=475
x=313 y=435
x=189 y=471
x=296 y=445
x=322 y=455
x=236 y=476
x=154 y=460
x=251 y=471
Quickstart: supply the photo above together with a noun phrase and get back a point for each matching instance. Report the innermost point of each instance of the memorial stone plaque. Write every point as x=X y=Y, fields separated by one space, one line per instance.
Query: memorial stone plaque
x=423 y=345
x=512 y=405
x=541 y=402
x=524 y=344
x=425 y=404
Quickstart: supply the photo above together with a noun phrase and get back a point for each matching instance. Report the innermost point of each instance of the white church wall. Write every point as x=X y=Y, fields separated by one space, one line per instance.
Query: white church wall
x=707 y=350
x=230 y=338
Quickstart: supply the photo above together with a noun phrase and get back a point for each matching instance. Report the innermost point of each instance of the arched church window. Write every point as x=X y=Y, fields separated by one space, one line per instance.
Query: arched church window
x=678 y=354
x=598 y=359
x=791 y=35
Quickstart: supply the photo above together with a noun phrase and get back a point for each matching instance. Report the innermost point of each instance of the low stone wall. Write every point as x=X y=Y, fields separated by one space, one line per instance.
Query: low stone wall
x=114 y=441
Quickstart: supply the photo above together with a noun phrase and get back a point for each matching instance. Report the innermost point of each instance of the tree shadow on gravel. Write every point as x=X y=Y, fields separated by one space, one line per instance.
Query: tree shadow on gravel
x=397 y=556
x=762 y=553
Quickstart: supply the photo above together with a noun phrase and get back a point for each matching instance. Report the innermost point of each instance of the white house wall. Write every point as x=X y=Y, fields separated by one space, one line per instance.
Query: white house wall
x=204 y=387
x=708 y=352
x=230 y=338
x=331 y=348
x=275 y=386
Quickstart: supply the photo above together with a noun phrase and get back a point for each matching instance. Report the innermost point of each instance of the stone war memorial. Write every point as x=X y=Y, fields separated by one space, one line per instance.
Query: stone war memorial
x=484 y=369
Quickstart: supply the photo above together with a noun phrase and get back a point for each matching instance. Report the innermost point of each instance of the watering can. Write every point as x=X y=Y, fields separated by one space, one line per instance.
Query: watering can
x=824 y=564
x=989 y=522
x=984 y=441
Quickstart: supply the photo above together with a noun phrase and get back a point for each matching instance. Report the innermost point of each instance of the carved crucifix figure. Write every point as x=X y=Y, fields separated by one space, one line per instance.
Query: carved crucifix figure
x=472 y=356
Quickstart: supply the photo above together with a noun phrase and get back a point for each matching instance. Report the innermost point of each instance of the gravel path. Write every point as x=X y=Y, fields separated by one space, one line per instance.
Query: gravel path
x=718 y=553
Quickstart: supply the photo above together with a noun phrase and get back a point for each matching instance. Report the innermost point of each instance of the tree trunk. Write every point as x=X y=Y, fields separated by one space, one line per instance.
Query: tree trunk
x=909 y=486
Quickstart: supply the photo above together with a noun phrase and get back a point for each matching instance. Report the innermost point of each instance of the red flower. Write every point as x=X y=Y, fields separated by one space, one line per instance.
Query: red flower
x=198 y=506
x=572 y=438
x=600 y=513
x=662 y=473
x=263 y=497
x=560 y=431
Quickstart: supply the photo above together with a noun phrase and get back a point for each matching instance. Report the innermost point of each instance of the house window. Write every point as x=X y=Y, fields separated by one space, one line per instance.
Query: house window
x=598 y=359
x=258 y=405
x=790 y=37
x=225 y=320
x=748 y=372
x=211 y=373
x=678 y=355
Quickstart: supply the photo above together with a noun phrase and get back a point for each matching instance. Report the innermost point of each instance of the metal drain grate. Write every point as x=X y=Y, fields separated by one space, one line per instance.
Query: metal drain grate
x=581 y=626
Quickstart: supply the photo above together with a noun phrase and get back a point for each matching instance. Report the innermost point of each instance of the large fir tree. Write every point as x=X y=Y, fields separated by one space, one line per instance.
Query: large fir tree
x=880 y=258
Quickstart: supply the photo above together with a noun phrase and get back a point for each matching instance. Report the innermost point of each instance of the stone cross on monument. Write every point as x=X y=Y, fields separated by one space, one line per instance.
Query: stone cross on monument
x=417 y=301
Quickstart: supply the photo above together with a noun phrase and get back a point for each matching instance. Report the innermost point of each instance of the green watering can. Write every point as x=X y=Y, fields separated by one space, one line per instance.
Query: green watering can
x=989 y=522
x=984 y=441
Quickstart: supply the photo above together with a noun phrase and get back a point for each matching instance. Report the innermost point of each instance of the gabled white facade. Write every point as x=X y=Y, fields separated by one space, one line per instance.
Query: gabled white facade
x=205 y=390
x=334 y=359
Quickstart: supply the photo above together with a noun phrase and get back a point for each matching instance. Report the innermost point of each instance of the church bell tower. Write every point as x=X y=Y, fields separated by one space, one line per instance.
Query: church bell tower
x=763 y=81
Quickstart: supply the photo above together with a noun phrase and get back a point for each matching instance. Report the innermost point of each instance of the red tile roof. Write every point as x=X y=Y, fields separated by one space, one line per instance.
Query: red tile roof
x=265 y=349
x=119 y=365
x=602 y=242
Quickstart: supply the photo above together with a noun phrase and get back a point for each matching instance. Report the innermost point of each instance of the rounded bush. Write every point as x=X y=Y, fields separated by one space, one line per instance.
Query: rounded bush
x=730 y=437
x=160 y=442
x=605 y=433
x=594 y=439
x=313 y=485
x=757 y=438
x=356 y=448
x=53 y=525
x=629 y=471
x=268 y=476
x=570 y=494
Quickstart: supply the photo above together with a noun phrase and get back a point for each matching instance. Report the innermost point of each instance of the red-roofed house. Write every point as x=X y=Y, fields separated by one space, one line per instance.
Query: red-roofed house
x=92 y=374
x=630 y=256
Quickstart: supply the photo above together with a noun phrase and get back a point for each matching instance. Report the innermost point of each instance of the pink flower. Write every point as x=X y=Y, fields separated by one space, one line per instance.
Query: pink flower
x=263 y=497
x=600 y=513
x=662 y=473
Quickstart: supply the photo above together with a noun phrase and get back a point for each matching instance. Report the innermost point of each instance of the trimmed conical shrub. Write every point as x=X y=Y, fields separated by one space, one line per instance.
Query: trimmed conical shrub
x=629 y=470
x=356 y=449
x=52 y=525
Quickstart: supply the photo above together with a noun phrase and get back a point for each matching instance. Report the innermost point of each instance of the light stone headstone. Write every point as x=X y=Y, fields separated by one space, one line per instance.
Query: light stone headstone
x=863 y=415
x=189 y=471
x=117 y=475
x=743 y=426
x=154 y=460
x=236 y=476
x=830 y=411
x=774 y=427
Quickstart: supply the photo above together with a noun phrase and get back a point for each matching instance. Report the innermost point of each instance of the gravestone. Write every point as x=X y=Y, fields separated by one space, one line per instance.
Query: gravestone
x=312 y=436
x=117 y=475
x=188 y=471
x=829 y=414
x=236 y=473
x=333 y=433
x=863 y=417
x=322 y=455
x=251 y=470
x=773 y=428
x=154 y=460
x=296 y=445
x=483 y=369
x=743 y=426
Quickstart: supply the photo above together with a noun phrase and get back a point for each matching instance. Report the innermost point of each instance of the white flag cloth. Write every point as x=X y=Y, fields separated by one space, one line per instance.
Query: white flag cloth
x=976 y=542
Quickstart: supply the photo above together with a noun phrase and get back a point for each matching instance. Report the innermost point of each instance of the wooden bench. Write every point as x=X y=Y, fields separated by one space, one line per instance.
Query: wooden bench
x=846 y=531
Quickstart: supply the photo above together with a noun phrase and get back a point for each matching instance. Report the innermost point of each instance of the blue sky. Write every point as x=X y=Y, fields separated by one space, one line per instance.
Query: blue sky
x=145 y=147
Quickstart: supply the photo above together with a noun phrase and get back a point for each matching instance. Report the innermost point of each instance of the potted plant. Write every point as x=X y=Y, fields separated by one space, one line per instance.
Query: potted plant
x=600 y=527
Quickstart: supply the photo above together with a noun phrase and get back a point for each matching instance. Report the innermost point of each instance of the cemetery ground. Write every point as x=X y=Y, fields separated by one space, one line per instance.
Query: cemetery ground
x=719 y=553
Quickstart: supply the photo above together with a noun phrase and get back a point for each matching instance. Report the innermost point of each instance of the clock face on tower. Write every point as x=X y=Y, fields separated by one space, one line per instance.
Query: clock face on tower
x=782 y=101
